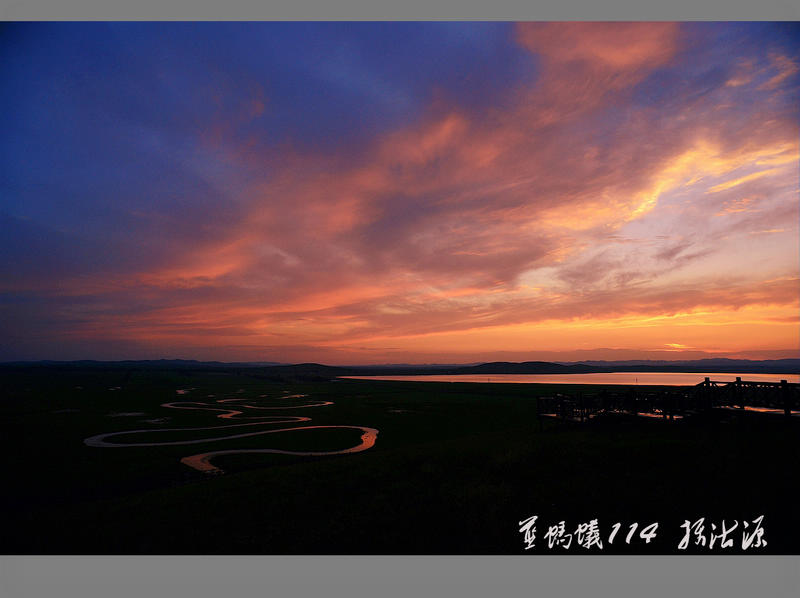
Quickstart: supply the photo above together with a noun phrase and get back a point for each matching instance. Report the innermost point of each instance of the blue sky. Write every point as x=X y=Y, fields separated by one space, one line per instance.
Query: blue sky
x=361 y=192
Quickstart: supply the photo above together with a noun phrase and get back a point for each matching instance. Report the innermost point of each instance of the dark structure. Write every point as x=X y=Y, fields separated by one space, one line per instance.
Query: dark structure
x=672 y=404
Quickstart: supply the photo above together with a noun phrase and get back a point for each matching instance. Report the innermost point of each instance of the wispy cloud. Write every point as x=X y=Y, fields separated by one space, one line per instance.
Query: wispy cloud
x=634 y=174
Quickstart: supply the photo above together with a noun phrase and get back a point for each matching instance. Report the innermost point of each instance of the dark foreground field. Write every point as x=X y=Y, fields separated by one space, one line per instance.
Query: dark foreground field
x=455 y=468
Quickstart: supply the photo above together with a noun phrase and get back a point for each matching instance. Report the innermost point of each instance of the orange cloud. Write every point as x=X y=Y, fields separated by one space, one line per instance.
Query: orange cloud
x=501 y=228
x=616 y=47
x=785 y=66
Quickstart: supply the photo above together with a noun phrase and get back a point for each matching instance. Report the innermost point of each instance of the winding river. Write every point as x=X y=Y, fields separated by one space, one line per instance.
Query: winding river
x=202 y=461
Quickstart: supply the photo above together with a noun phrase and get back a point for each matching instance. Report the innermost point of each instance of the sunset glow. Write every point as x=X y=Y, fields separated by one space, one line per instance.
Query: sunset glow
x=358 y=193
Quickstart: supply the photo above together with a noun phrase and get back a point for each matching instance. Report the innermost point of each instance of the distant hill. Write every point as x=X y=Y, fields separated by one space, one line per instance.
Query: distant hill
x=318 y=371
x=767 y=366
x=526 y=367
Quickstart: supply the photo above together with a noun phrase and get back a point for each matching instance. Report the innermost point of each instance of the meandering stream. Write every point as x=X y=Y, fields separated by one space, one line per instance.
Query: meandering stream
x=202 y=461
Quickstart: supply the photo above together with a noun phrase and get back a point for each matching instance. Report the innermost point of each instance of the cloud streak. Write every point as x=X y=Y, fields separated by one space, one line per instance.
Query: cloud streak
x=635 y=174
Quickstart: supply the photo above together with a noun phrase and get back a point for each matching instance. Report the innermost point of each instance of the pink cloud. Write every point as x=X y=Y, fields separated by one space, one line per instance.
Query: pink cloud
x=616 y=47
x=450 y=223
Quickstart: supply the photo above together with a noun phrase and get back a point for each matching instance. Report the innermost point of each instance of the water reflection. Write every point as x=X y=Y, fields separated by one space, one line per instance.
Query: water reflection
x=202 y=462
x=760 y=410
x=660 y=415
x=627 y=378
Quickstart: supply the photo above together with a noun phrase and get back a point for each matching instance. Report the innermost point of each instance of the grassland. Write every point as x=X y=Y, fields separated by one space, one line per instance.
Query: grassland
x=455 y=468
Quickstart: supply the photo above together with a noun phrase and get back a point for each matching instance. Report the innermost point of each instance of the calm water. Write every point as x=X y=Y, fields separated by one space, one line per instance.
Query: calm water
x=643 y=378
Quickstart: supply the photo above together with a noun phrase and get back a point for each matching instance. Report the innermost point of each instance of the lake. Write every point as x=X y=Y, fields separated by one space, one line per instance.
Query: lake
x=641 y=378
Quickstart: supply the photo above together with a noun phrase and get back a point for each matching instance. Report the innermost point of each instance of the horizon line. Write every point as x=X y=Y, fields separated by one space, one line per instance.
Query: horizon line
x=394 y=364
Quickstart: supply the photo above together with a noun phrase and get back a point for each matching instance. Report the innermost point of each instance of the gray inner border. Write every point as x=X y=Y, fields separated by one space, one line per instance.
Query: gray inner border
x=548 y=10
x=400 y=577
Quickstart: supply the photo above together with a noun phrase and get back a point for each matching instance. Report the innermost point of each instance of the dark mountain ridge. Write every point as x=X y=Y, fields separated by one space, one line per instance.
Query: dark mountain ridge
x=321 y=371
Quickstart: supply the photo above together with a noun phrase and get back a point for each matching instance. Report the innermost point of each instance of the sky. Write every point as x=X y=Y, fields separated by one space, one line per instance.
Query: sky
x=364 y=193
